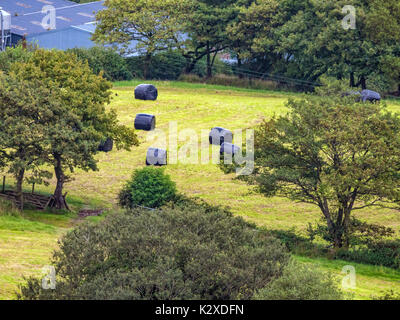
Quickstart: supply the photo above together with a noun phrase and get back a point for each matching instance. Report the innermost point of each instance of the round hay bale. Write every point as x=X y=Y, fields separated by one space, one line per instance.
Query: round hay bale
x=144 y=121
x=146 y=92
x=227 y=147
x=106 y=145
x=156 y=157
x=220 y=135
x=369 y=95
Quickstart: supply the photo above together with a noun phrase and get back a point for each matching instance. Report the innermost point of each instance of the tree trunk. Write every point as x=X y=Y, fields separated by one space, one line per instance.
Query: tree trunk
x=58 y=196
x=209 y=66
x=352 y=81
x=363 y=82
x=146 y=66
x=190 y=64
x=20 y=194
x=239 y=66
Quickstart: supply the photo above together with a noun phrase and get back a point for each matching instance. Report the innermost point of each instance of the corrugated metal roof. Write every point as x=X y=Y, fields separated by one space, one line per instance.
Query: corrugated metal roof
x=90 y=28
x=20 y=7
x=66 y=16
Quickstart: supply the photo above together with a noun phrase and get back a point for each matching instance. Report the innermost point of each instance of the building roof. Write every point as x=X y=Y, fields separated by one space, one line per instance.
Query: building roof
x=67 y=14
x=20 y=7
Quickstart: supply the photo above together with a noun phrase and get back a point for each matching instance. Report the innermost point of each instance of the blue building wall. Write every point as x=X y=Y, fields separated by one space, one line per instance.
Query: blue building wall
x=63 y=39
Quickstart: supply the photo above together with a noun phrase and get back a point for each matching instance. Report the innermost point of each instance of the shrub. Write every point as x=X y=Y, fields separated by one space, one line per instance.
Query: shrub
x=175 y=253
x=106 y=60
x=148 y=187
x=301 y=282
x=7 y=208
x=163 y=66
x=233 y=81
x=388 y=295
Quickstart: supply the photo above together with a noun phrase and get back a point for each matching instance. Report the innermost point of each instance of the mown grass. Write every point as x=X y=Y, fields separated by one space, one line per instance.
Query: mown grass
x=371 y=281
x=192 y=106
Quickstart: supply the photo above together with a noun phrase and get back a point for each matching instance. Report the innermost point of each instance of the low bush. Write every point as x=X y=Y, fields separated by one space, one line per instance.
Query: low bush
x=228 y=80
x=173 y=253
x=106 y=60
x=148 y=187
x=163 y=66
x=301 y=282
x=7 y=208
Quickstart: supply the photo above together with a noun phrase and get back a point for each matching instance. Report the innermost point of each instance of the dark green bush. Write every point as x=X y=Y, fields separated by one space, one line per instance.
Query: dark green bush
x=149 y=187
x=107 y=60
x=382 y=253
x=301 y=282
x=196 y=252
x=163 y=66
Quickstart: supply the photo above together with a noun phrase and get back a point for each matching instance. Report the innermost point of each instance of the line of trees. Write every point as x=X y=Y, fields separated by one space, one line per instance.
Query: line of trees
x=53 y=115
x=301 y=39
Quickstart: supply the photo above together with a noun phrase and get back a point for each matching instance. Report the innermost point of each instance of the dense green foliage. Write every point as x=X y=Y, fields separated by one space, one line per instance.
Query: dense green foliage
x=188 y=252
x=106 y=60
x=149 y=187
x=59 y=116
x=332 y=152
x=301 y=282
x=289 y=41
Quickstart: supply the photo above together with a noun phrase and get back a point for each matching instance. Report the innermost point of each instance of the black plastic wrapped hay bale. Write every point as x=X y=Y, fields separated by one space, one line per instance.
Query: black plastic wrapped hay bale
x=144 y=121
x=230 y=148
x=156 y=157
x=220 y=135
x=356 y=94
x=369 y=95
x=106 y=145
x=146 y=92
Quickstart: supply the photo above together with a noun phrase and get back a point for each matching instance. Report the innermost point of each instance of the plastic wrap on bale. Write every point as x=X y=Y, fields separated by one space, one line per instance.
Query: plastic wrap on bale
x=156 y=157
x=146 y=92
x=144 y=121
x=369 y=95
x=220 y=135
x=106 y=145
x=229 y=148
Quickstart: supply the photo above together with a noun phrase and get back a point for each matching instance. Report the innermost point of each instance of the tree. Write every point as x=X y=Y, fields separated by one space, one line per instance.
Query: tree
x=316 y=40
x=205 y=25
x=191 y=251
x=145 y=26
x=26 y=109
x=331 y=152
x=251 y=32
x=73 y=144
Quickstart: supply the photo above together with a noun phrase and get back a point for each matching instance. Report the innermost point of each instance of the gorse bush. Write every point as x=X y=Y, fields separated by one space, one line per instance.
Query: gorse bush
x=149 y=187
x=301 y=282
x=179 y=252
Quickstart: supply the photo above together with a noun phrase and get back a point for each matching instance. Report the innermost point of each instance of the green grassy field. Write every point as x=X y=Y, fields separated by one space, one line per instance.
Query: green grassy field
x=25 y=246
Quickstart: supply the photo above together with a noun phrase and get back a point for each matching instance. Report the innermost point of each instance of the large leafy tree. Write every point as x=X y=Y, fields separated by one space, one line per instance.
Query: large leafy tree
x=73 y=143
x=145 y=26
x=318 y=44
x=331 y=152
x=206 y=27
x=26 y=110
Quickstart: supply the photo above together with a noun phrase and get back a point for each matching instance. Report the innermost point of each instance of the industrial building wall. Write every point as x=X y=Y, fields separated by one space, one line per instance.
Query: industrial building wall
x=62 y=39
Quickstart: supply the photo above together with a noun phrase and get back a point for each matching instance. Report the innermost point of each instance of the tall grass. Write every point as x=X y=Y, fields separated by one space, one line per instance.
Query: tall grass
x=7 y=208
